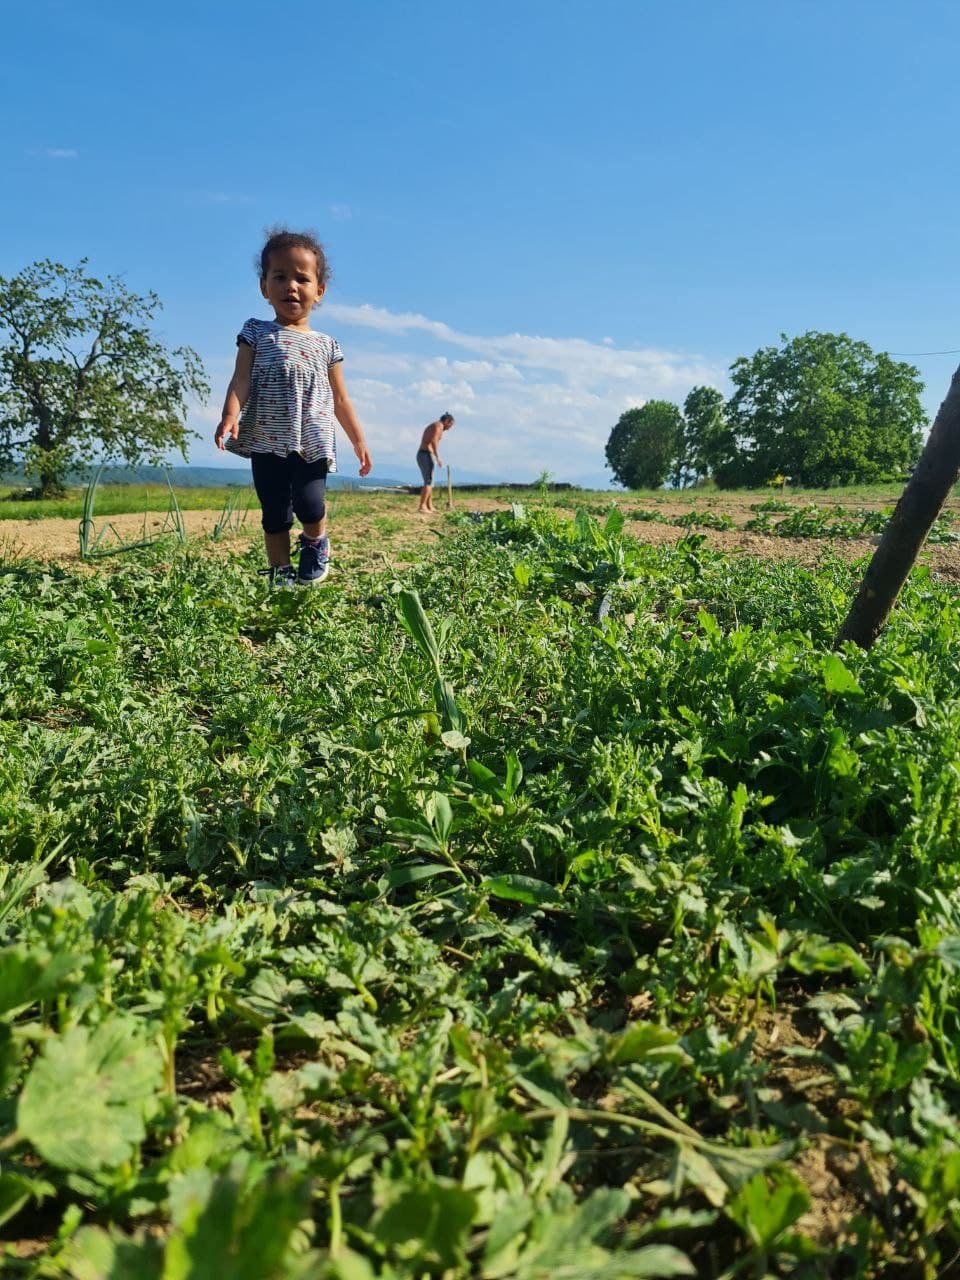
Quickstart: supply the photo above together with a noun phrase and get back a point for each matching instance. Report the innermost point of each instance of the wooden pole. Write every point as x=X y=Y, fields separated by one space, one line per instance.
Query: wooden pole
x=449 y=491
x=920 y=503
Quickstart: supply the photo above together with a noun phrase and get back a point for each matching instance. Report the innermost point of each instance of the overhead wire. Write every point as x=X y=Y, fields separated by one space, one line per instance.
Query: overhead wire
x=953 y=351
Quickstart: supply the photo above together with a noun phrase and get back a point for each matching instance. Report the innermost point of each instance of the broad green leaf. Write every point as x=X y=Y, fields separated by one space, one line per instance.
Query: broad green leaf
x=30 y=974
x=506 y=1233
x=613 y=525
x=455 y=740
x=837 y=678
x=567 y=1246
x=586 y=527
x=717 y=1170
x=539 y=1094
x=446 y=703
x=88 y=1096
x=412 y=874
x=514 y=774
x=818 y=955
x=644 y=1040
x=524 y=889
x=440 y=814
x=16 y=1189
x=416 y=832
x=708 y=624
x=417 y=624
x=485 y=778
x=16 y=883
x=210 y=1134
x=351 y=1266
x=736 y=1165
x=92 y=1254
x=427 y=1220
x=237 y=1226
x=765 y=1213
x=948 y=949
x=840 y=760
x=594 y=1263
x=556 y=1158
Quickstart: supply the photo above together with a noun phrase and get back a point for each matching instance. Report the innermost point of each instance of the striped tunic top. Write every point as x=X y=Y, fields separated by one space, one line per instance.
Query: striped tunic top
x=290 y=406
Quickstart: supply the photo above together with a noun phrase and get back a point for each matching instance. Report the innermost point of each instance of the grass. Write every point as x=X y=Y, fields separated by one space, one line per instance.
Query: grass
x=119 y=499
x=433 y=925
x=885 y=493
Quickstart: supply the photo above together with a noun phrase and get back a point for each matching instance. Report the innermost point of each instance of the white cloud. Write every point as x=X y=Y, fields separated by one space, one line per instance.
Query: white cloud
x=205 y=414
x=577 y=359
x=524 y=403
x=340 y=212
x=438 y=389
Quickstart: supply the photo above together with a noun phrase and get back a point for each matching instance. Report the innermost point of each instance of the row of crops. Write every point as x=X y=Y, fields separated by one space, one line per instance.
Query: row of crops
x=785 y=520
x=562 y=908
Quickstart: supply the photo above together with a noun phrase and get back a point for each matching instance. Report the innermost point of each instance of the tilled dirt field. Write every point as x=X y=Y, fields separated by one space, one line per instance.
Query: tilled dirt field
x=373 y=529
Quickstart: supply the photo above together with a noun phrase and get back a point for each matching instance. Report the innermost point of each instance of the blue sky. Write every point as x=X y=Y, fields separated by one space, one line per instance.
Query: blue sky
x=538 y=213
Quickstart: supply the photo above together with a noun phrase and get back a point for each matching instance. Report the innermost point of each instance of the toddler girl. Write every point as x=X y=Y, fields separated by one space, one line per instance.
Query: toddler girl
x=285 y=392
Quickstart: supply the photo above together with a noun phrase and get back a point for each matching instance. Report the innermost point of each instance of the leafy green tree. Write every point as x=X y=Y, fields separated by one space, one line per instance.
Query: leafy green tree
x=643 y=447
x=82 y=377
x=707 y=439
x=824 y=410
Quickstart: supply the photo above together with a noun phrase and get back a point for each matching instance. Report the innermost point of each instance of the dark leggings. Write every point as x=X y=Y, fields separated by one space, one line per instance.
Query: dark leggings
x=287 y=486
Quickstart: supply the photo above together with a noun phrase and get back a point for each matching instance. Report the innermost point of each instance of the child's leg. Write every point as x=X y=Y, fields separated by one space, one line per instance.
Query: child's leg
x=309 y=489
x=271 y=479
x=278 y=549
x=309 y=502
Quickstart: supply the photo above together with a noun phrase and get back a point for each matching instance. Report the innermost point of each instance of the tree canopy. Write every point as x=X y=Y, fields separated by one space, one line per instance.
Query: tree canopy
x=705 y=432
x=823 y=410
x=643 y=447
x=82 y=378
x=820 y=408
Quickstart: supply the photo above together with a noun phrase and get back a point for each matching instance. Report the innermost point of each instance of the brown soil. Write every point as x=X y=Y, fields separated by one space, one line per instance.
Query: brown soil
x=944 y=561
x=376 y=529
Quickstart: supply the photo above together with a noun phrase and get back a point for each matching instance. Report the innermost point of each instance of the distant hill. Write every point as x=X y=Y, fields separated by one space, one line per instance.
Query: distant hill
x=200 y=478
x=210 y=477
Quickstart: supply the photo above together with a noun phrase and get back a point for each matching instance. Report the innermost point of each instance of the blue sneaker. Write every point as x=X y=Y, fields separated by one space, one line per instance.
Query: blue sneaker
x=283 y=576
x=314 y=561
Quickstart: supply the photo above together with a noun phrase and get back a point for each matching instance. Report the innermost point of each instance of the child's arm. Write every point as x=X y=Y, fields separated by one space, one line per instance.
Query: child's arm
x=346 y=415
x=237 y=394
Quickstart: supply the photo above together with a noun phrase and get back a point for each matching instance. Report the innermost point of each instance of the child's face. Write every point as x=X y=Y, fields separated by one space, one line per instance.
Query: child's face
x=291 y=286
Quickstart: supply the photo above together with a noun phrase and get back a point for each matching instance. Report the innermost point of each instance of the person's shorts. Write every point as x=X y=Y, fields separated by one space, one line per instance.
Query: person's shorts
x=426 y=464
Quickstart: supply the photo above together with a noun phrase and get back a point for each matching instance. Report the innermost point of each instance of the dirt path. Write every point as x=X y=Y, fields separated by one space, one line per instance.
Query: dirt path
x=370 y=530
x=810 y=552
x=378 y=530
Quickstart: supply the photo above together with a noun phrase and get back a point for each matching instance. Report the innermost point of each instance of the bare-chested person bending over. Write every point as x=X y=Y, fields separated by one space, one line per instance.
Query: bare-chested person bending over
x=428 y=458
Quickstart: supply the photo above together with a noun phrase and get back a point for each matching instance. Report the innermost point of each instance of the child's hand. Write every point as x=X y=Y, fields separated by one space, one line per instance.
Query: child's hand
x=363 y=453
x=228 y=427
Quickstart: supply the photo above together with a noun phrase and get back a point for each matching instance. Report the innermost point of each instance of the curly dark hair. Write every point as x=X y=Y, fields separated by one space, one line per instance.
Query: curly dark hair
x=280 y=238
